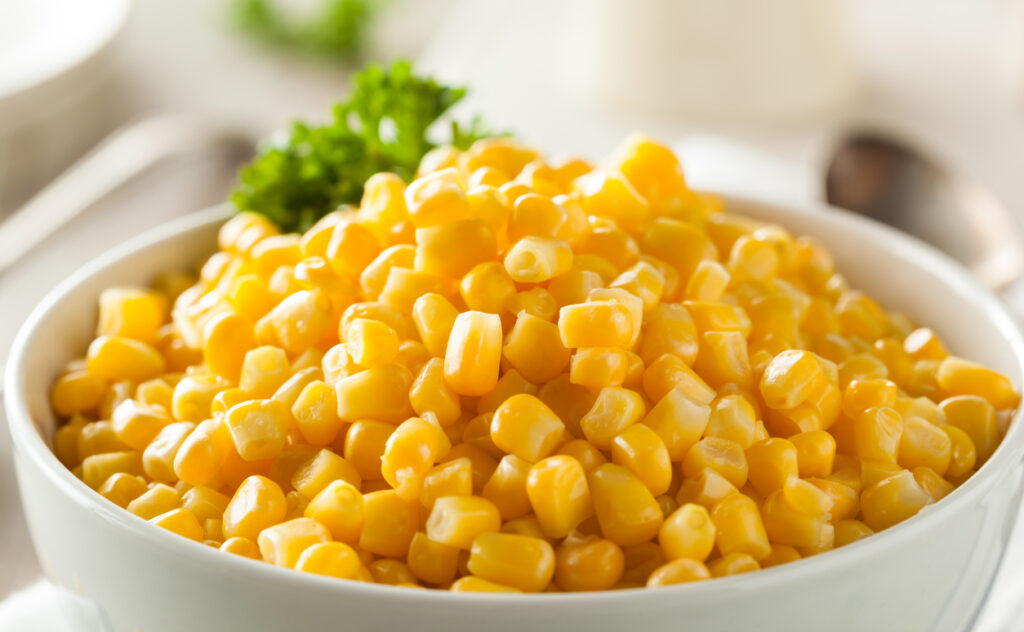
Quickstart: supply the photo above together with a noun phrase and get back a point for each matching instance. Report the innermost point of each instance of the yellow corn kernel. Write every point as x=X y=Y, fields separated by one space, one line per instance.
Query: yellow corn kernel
x=511 y=383
x=626 y=510
x=158 y=456
x=721 y=455
x=98 y=437
x=430 y=393
x=315 y=412
x=371 y=343
x=780 y=554
x=963 y=454
x=76 y=392
x=861 y=366
x=613 y=411
x=708 y=282
x=815 y=453
x=723 y=359
x=227 y=338
x=644 y=281
x=784 y=524
x=258 y=428
x=241 y=546
x=789 y=379
x=374 y=277
x=733 y=418
x=263 y=371
x=860 y=316
x=733 y=564
x=488 y=203
x=458 y=520
x=654 y=171
x=535 y=301
x=380 y=393
x=640 y=561
x=157 y=500
x=434 y=316
x=333 y=559
x=131 y=312
x=861 y=395
x=707 y=489
x=258 y=503
x=339 y=507
x=872 y=471
x=601 y=323
x=924 y=344
x=877 y=434
x=976 y=416
x=155 y=392
x=452 y=478
x=598 y=367
x=524 y=426
x=771 y=463
x=119 y=358
x=136 y=424
x=512 y=560
x=588 y=564
x=451 y=249
x=688 y=532
x=588 y=455
x=679 y=243
x=487 y=287
x=432 y=562
x=389 y=523
x=475 y=584
x=610 y=195
x=924 y=444
x=739 y=528
x=893 y=500
x=642 y=451
x=317 y=472
x=394 y=318
x=351 y=248
x=669 y=372
x=752 y=258
x=535 y=215
x=205 y=503
x=65 y=441
x=99 y=467
x=559 y=494
x=122 y=488
x=719 y=317
x=473 y=354
x=410 y=453
x=181 y=522
x=282 y=544
x=537 y=259
x=506 y=488
x=193 y=396
x=404 y=286
x=436 y=198
x=845 y=499
x=679 y=571
x=535 y=349
x=849 y=531
x=391 y=572
x=365 y=443
x=679 y=421
x=304 y=319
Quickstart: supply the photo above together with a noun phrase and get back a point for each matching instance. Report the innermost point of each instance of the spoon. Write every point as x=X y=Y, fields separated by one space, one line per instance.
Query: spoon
x=877 y=176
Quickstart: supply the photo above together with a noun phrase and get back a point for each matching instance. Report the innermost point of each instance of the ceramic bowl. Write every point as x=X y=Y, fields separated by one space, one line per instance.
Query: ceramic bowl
x=931 y=572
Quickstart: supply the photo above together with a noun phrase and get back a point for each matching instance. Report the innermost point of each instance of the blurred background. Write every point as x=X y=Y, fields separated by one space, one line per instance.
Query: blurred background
x=756 y=95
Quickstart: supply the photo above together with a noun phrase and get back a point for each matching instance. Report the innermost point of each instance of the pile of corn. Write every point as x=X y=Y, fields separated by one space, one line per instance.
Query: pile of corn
x=516 y=375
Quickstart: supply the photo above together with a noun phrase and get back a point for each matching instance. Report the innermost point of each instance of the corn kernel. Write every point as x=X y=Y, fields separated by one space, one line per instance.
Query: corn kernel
x=76 y=392
x=721 y=455
x=598 y=367
x=258 y=503
x=513 y=560
x=487 y=287
x=389 y=524
x=733 y=564
x=534 y=348
x=559 y=494
x=626 y=510
x=977 y=417
x=669 y=372
x=120 y=358
x=893 y=500
x=458 y=520
x=739 y=528
x=158 y=499
x=410 y=453
x=258 y=428
x=181 y=522
x=679 y=571
x=962 y=453
x=473 y=355
x=380 y=393
x=815 y=453
x=282 y=544
x=688 y=532
x=333 y=559
x=877 y=433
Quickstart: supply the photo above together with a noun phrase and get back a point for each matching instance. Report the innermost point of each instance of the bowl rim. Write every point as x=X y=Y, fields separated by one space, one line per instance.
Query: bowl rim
x=29 y=444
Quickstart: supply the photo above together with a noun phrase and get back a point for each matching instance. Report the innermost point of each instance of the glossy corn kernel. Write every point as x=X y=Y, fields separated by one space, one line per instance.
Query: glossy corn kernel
x=688 y=532
x=721 y=455
x=976 y=416
x=518 y=561
x=380 y=393
x=733 y=564
x=598 y=367
x=506 y=487
x=524 y=426
x=679 y=421
x=789 y=379
x=559 y=494
x=258 y=428
x=625 y=508
x=642 y=451
x=487 y=287
x=924 y=444
x=258 y=503
x=534 y=348
x=333 y=559
x=122 y=488
x=180 y=522
x=389 y=523
x=707 y=489
x=785 y=524
x=458 y=520
x=120 y=358
x=877 y=433
x=962 y=453
x=283 y=544
x=771 y=463
x=613 y=411
x=76 y=392
x=893 y=500
x=595 y=324
x=680 y=571
x=739 y=528
x=156 y=500
x=451 y=249
x=815 y=453
x=473 y=354
x=733 y=418
x=339 y=507
x=475 y=584
x=669 y=372
x=410 y=453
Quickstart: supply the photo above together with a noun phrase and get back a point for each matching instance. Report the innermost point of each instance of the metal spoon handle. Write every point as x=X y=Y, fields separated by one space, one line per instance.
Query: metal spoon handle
x=125 y=154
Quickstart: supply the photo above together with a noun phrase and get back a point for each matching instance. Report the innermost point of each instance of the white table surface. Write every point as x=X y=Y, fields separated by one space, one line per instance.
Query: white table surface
x=181 y=56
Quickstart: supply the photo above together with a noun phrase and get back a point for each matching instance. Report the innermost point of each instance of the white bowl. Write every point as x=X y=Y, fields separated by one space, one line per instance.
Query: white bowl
x=931 y=572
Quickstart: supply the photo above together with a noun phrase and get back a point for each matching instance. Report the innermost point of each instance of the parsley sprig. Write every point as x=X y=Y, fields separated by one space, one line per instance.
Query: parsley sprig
x=382 y=126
